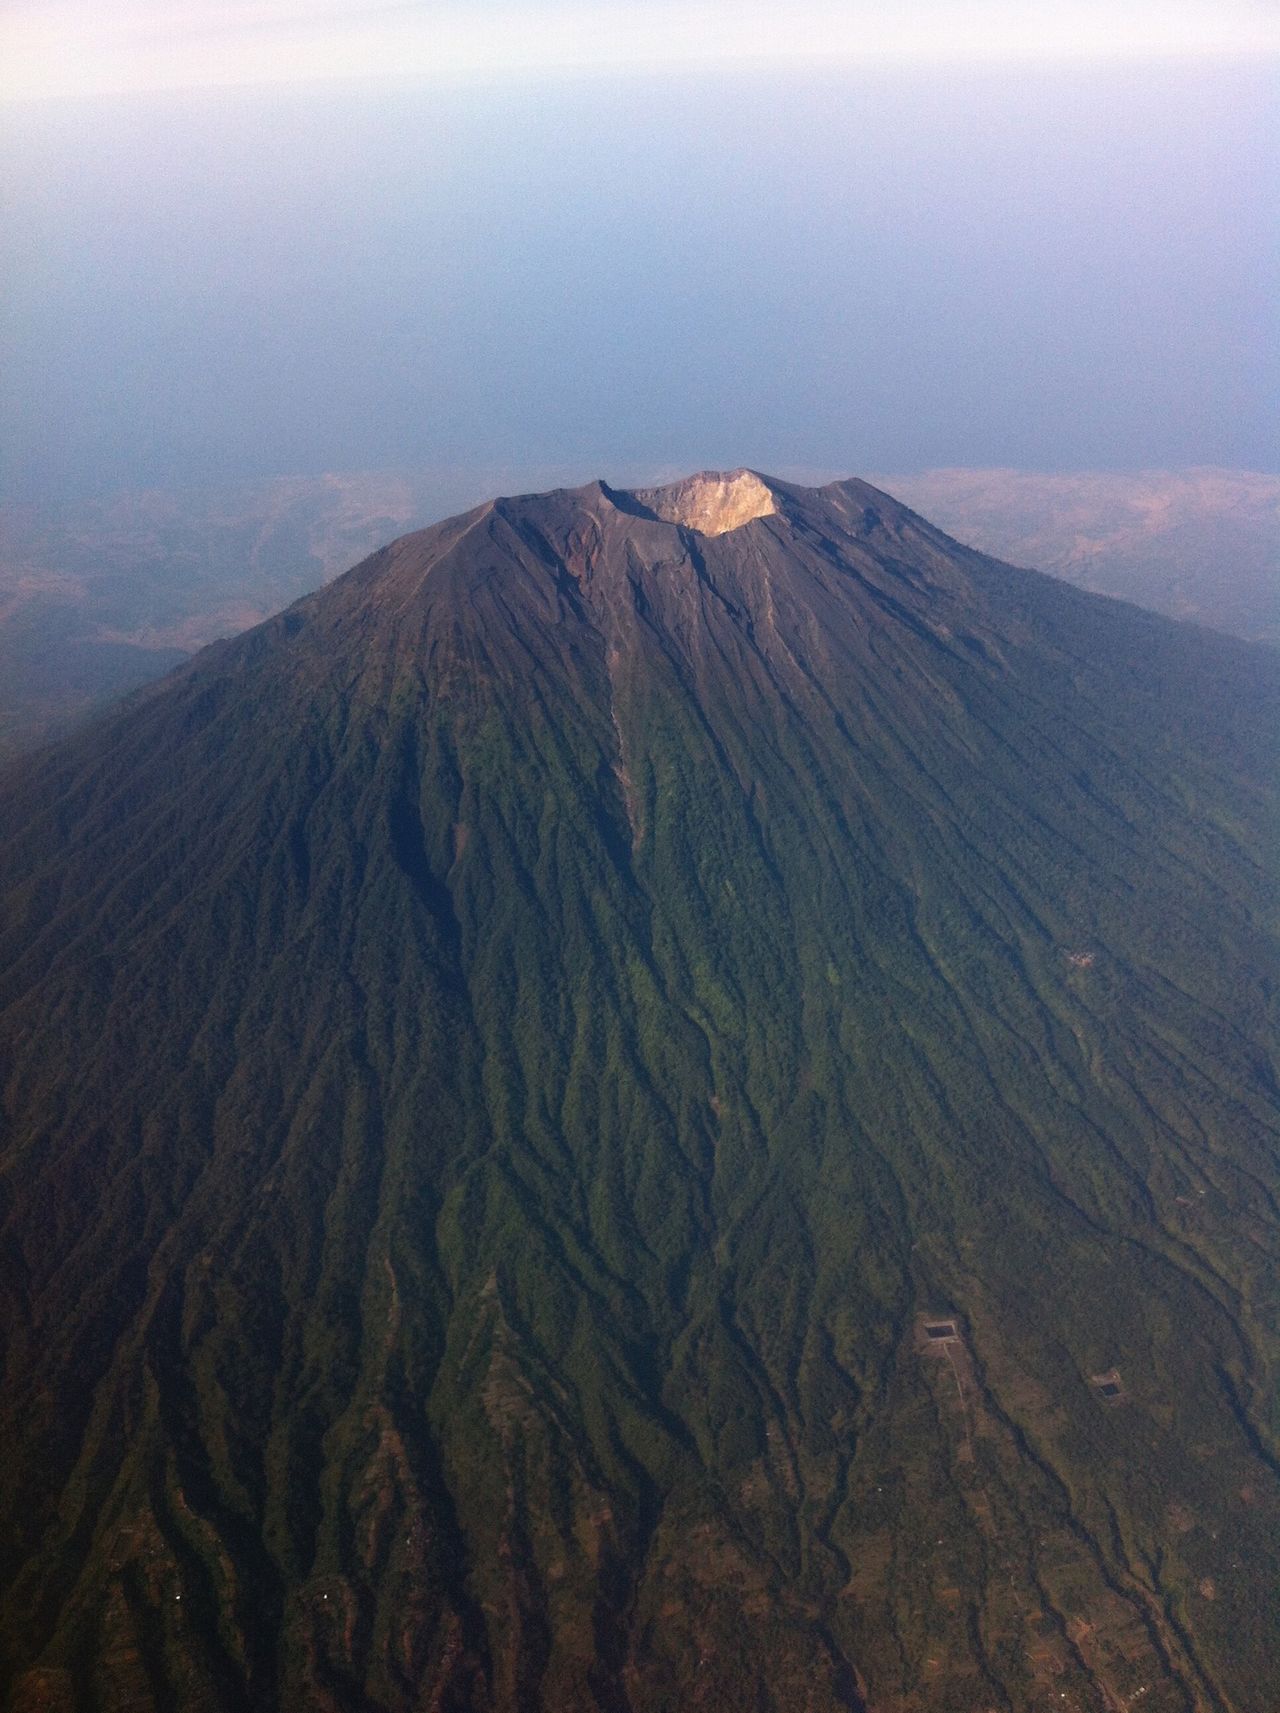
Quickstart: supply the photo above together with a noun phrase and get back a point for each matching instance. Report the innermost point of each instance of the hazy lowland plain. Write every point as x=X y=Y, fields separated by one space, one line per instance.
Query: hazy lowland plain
x=98 y=596
x=620 y=1113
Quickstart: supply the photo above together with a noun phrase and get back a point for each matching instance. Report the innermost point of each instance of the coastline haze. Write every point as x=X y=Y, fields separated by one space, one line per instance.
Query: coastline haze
x=864 y=269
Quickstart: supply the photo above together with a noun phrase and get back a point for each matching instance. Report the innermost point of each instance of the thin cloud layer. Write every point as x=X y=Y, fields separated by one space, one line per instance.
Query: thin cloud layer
x=77 y=49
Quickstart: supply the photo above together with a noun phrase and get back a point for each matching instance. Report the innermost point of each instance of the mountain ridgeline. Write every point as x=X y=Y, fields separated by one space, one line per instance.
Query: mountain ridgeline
x=653 y=1101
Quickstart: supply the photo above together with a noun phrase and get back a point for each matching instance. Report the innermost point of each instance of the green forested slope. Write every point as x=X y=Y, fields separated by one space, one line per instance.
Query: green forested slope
x=501 y=1063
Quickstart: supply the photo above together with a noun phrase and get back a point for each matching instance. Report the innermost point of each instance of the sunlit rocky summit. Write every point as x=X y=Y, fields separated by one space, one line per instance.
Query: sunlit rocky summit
x=711 y=503
x=657 y=1099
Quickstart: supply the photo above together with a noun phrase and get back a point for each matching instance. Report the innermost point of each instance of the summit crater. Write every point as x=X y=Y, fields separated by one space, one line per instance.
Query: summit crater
x=711 y=502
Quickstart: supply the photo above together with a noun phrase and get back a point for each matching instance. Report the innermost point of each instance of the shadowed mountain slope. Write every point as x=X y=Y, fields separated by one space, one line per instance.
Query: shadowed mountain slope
x=609 y=1115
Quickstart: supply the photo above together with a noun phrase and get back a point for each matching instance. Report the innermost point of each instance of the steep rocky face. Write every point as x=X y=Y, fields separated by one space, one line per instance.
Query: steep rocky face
x=653 y=1100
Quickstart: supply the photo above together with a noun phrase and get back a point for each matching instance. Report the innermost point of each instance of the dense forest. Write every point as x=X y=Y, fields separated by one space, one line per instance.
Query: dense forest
x=652 y=1101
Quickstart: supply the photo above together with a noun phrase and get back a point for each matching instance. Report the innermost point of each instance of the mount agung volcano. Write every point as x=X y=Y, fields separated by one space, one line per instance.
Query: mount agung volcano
x=655 y=1100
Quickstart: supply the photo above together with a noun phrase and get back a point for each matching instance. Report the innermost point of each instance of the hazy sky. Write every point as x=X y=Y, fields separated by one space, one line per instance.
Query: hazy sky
x=87 y=47
x=1021 y=236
